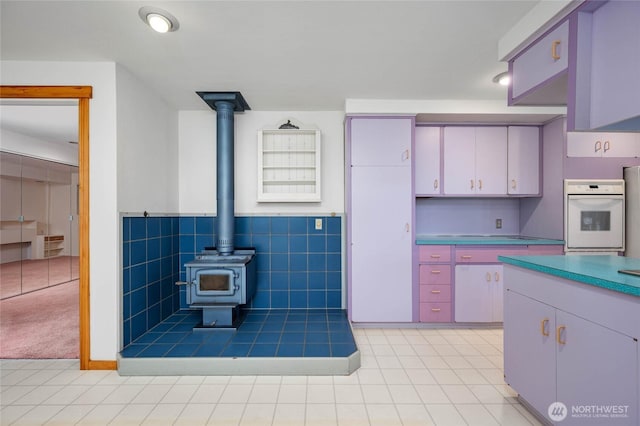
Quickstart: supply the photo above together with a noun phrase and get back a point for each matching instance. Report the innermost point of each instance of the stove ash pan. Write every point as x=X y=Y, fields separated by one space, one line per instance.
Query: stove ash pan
x=219 y=284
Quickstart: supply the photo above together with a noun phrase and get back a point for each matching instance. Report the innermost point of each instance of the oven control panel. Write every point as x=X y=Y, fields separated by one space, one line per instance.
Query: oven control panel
x=606 y=186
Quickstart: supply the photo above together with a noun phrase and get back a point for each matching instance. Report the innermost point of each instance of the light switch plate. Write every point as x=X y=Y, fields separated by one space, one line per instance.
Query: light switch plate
x=318 y=224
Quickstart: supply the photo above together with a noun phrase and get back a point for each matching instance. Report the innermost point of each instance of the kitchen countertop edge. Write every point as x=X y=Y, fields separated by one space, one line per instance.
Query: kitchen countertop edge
x=484 y=240
x=569 y=268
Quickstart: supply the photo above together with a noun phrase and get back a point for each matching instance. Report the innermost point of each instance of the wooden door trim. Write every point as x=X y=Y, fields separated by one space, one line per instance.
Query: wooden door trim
x=83 y=94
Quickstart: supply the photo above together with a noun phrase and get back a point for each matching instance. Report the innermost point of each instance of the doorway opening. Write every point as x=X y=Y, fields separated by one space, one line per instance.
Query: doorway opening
x=82 y=94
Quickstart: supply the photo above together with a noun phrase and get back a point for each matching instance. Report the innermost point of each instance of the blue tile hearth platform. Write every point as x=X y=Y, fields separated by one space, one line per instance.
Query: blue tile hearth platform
x=268 y=342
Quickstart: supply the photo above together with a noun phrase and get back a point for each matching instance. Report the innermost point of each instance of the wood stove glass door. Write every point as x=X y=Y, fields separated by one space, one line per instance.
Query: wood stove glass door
x=215 y=282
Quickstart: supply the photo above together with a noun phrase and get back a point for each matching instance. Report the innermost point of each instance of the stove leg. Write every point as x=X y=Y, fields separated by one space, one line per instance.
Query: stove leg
x=219 y=315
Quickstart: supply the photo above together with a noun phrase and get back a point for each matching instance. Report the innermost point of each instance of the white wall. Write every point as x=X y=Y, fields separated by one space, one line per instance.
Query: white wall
x=104 y=224
x=18 y=143
x=147 y=148
x=197 y=153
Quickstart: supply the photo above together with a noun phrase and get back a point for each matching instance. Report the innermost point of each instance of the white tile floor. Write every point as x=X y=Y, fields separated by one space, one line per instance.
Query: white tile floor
x=408 y=376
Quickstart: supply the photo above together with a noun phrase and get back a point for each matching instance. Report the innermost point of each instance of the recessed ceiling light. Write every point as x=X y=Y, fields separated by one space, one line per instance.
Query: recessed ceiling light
x=159 y=20
x=503 y=79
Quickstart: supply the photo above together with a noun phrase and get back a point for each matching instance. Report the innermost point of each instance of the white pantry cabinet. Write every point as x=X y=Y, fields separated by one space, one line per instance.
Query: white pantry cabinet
x=478 y=293
x=475 y=160
x=427 y=161
x=379 y=219
x=523 y=160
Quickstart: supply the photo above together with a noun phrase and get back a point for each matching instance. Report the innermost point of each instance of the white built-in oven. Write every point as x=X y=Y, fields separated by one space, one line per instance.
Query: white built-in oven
x=594 y=215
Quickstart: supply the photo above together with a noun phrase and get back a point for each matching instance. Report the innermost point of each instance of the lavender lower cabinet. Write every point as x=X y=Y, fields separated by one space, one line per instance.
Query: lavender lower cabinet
x=588 y=353
x=555 y=356
x=529 y=349
x=478 y=293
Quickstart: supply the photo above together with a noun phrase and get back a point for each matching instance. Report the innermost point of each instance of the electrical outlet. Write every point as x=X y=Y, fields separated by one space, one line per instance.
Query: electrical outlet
x=318 y=224
x=498 y=223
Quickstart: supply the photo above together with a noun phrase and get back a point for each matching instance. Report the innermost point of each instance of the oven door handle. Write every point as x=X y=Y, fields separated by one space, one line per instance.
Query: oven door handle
x=184 y=282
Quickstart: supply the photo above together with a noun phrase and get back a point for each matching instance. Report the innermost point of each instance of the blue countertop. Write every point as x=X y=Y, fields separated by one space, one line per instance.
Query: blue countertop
x=597 y=270
x=484 y=240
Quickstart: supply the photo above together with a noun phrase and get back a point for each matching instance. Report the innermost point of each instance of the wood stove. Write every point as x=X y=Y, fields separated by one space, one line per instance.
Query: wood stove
x=222 y=279
x=220 y=285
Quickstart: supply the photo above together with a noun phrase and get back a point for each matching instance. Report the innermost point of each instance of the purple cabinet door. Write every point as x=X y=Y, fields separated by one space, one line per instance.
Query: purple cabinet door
x=381 y=141
x=529 y=349
x=589 y=354
x=542 y=61
x=382 y=245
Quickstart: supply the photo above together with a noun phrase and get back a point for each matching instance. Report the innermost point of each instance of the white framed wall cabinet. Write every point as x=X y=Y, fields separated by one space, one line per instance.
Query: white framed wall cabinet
x=289 y=164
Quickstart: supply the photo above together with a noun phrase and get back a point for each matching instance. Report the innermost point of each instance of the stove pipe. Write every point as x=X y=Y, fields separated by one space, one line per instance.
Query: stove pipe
x=225 y=104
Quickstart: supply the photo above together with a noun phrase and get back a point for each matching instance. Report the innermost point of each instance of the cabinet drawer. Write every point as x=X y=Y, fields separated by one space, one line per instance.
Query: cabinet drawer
x=435 y=254
x=435 y=274
x=487 y=255
x=435 y=293
x=435 y=312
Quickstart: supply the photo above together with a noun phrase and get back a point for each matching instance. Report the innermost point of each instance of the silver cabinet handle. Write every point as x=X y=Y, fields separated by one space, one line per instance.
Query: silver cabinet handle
x=607 y=146
x=597 y=146
x=435 y=184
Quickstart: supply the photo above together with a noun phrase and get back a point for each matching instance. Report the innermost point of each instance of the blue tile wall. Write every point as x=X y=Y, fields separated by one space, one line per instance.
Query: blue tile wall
x=298 y=267
x=150 y=268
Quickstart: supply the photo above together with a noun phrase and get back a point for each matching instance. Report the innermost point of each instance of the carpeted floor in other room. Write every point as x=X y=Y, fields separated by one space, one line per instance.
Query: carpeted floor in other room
x=43 y=324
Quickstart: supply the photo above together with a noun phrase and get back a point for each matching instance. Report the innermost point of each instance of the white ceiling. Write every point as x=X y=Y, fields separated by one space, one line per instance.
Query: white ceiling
x=284 y=55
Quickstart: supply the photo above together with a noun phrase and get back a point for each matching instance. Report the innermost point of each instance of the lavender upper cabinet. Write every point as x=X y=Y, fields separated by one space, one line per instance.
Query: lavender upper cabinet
x=540 y=72
x=427 y=161
x=475 y=161
x=607 y=92
x=380 y=142
x=379 y=219
x=523 y=160
x=589 y=62
x=603 y=144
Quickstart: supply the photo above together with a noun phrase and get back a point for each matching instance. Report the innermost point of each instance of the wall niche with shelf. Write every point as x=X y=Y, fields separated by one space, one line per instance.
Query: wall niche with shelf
x=289 y=163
